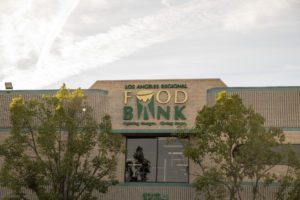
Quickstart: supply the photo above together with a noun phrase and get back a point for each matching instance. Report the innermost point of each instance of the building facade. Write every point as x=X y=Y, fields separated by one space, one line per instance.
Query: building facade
x=147 y=112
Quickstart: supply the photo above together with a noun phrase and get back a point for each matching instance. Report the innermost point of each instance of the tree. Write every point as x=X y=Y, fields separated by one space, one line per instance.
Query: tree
x=57 y=149
x=230 y=145
x=289 y=183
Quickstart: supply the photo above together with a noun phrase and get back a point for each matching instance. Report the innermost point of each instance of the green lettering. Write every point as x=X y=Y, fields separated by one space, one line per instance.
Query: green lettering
x=156 y=196
x=146 y=116
x=151 y=107
x=139 y=108
x=164 y=113
x=178 y=113
x=127 y=113
x=145 y=196
x=164 y=197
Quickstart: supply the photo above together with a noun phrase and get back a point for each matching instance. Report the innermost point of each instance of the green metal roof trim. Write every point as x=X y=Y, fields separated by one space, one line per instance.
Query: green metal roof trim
x=153 y=184
x=145 y=131
x=104 y=92
x=149 y=131
x=248 y=183
x=252 y=89
x=290 y=129
x=5 y=129
x=122 y=131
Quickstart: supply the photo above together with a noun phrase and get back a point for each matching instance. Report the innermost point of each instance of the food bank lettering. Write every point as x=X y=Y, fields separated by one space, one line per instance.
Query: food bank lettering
x=159 y=103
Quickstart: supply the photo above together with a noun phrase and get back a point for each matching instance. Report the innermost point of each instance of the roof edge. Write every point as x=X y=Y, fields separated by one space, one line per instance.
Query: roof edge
x=170 y=79
x=104 y=92
x=247 y=89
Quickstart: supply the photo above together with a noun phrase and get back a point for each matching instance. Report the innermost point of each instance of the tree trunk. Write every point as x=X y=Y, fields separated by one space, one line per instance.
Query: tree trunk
x=232 y=194
x=255 y=190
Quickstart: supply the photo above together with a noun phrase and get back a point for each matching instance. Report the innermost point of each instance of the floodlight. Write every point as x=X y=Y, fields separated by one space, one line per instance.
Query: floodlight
x=8 y=85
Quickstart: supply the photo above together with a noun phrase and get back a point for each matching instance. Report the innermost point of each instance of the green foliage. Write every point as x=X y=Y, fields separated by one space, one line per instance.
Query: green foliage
x=231 y=145
x=57 y=149
x=290 y=182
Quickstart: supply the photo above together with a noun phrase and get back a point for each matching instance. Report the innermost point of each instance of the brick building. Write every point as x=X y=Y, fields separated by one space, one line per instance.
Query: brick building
x=146 y=112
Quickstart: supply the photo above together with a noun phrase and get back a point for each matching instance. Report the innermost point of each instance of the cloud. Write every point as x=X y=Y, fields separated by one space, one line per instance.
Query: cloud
x=24 y=31
x=62 y=53
x=247 y=15
x=165 y=3
x=58 y=24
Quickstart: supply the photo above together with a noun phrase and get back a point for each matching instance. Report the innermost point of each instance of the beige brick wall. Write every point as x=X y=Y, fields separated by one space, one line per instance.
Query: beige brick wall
x=280 y=106
x=97 y=99
x=196 y=90
x=292 y=137
x=120 y=171
x=280 y=109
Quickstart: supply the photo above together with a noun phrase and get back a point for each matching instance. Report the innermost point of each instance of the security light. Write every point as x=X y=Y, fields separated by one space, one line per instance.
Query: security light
x=8 y=86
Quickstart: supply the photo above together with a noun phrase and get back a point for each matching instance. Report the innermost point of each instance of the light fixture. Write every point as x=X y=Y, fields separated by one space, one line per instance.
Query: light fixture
x=8 y=86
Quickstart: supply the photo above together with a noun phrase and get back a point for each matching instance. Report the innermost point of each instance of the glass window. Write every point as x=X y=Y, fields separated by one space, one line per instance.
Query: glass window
x=155 y=160
x=141 y=160
x=172 y=166
x=283 y=148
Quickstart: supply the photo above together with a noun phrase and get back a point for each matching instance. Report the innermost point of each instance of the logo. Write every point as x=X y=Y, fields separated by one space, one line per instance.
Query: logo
x=145 y=102
x=166 y=106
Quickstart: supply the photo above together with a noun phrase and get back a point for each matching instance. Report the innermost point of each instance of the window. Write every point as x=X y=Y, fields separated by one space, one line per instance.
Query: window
x=284 y=148
x=171 y=163
x=141 y=160
x=155 y=160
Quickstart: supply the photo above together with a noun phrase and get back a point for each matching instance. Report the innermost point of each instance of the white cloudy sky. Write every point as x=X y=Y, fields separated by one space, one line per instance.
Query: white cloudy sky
x=44 y=43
